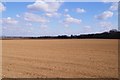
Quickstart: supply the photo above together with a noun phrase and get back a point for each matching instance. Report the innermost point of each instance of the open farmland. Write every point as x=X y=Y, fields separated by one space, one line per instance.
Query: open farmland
x=64 y=58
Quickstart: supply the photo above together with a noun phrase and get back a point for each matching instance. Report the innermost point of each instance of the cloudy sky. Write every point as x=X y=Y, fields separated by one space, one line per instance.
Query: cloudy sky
x=54 y=18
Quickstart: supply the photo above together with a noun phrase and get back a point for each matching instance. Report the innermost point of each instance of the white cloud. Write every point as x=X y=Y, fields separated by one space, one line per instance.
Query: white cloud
x=66 y=10
x=49 y=15
x=55 y=14
x=114 y=6
x=9 y=20
x=104 y=15
x=35 y=18
x=43 y=26
x=28 y=24
x=45 y=6
x=0 y=20
x=88 y=27
x=69 y=20
x=17 y=15
x=107 y=1
x=2 y=7
x=66 y=25
x=80 y=10
x=67 y=15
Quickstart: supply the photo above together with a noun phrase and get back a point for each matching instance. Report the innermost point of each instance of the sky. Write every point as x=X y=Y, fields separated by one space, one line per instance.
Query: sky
x=57 y=18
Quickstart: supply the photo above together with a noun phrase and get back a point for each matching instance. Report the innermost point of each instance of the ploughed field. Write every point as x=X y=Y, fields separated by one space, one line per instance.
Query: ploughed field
x=60 y=58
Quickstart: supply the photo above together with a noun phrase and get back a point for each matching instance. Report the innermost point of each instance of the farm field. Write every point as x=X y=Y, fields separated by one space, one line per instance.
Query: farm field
x=60 y=58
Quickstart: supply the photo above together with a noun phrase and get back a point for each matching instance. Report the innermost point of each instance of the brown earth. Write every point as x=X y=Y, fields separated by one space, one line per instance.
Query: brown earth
x=70 y=58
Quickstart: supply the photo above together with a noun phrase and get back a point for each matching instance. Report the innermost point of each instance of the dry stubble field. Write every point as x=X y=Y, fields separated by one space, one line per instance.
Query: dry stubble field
x=60 y=58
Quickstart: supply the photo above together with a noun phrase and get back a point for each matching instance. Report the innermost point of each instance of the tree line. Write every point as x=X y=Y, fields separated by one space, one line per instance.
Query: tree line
x=112 y=34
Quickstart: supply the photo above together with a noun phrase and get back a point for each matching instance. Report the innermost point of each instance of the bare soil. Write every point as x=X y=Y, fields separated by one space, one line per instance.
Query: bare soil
x=60 y=58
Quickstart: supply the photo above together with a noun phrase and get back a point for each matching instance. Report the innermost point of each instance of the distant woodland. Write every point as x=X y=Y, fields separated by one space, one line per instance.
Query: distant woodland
x=112 y=34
